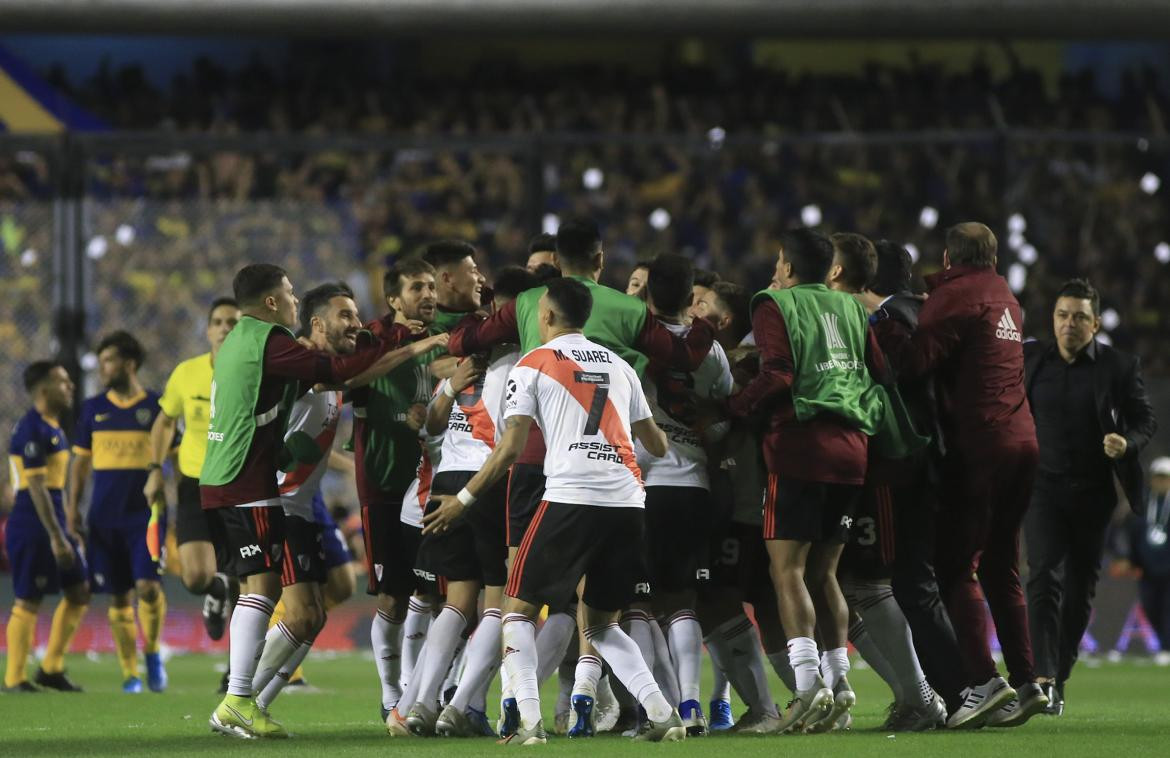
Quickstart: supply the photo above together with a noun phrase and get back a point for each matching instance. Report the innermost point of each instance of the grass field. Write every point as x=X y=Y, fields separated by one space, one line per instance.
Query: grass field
x=1117 y=710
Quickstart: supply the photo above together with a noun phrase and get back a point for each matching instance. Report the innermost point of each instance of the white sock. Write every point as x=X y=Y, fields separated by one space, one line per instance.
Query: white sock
x=626 y=662
x=566 y=678
x=505 y=684
x=586 y=676
x=834 y=665
x=442 y=643
x=869 y=651
x=455 y=670
x=410 y=691
x=246 y=641
x=889 y=630
x=664 y=672
x=386 y=640
x=519 y=634
x=551 y=643
x=802 y=656
x=747 y=662
x=783 y=669
x=636 y=624
x=280 y=681
x=685 y=638
x=482 y=659
x=279 y=646
x=414 y=634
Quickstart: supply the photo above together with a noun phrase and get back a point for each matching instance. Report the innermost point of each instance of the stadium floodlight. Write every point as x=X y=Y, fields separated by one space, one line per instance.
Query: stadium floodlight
x=715 y=137
x=89 y=361
x=28 y=257
x=550 y=223
x=124 y=234
x=1150 y=183
x=1104 y=338
x=1110 y=319
x=593 y=178
x=97 y=247
x=1016 y=240
x=1027 y=255
x=928 y=218
x=1162 y=252
x=1017 y=277
x=1017 y=224
x=913 y=250
x=1143 y=144
x=659 y=219
x=810 y=215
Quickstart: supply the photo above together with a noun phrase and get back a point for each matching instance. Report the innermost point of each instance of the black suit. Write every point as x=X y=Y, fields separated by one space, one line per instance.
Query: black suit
x=1080 y=403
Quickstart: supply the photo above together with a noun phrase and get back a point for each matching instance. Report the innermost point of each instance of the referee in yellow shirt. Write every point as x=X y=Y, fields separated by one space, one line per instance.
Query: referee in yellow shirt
x=188 y=396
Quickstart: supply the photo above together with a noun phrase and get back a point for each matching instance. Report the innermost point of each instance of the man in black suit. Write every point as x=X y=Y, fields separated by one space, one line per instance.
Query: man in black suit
x=1092 y=420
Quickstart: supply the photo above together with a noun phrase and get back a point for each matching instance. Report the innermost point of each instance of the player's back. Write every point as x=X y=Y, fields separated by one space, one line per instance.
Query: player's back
x=584 y=397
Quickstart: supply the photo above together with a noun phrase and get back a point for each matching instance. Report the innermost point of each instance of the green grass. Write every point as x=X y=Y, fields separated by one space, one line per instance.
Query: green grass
x=1115 y=710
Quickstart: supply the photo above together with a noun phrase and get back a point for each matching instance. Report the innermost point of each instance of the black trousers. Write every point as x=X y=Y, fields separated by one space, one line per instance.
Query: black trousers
x=1065 y=533
x=1155 y=595
x=916 y=590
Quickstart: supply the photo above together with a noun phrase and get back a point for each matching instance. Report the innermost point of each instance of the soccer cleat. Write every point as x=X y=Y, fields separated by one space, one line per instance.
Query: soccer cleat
x=421 y=721
x=808 y=706
x=838 y=717
x=1055 y=694
x=582 y=717
x=905 y=718
x=692 y=717
x=757 y=722
x=156 y=673
x=22 y=688
x=57 y=681
x=396 y=725
x=132 y=686
x=671 y=730
x=1030 y=700
x=385 y=711
x=521 y=736
x=606 y=709
x=215 y=613
x=453 y=722
x=561 y=722
x=980 y=702
x=236 y=716
x=509 y=717
x=268 y=727
x=480 y=726
x=721 y=718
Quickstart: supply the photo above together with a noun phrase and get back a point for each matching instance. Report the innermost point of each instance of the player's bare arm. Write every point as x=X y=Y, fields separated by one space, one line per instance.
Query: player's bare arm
x=508 y=449
x=79 y=472
x=39 y=492
x=396 y=358
x=651 y=436
x=444 y=368
x=162 y=437
x=341 y=462
x=466 y=374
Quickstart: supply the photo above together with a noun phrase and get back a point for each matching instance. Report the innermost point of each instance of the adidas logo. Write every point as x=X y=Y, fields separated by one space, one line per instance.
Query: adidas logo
x=1006 y=329
x=508 y=650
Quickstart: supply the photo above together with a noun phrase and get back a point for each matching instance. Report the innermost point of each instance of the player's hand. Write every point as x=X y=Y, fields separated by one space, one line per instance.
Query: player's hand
x=62 y=551
x=430 y=343
x=416 y=416
x=466 y=374
x=441 y=519
x=871 y=301
x=73 y=526
x=415 y=326
x=307 y=343
x=155 y=487
x=1115 y=446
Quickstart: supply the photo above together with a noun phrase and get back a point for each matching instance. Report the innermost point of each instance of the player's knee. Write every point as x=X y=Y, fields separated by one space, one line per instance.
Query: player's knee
x=148 y=591
x=342 y=585
x=31 y=605
x=196 y=579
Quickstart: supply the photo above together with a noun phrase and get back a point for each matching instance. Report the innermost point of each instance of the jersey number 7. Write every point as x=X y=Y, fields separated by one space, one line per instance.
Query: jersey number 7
x=600 y=382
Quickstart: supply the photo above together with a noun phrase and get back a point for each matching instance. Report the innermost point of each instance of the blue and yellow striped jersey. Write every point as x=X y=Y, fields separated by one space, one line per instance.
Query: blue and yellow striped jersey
x=115 y=434
x=38 y=446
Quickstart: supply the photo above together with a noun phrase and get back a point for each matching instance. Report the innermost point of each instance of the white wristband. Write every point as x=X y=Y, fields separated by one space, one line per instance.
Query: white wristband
x=448 y=390
x=465 y=496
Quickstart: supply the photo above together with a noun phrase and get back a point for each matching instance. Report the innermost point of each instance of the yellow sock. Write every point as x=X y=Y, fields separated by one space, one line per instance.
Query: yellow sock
x=277 y=614
x=22 y=632
x=152 y=616
x=66 y=619
x=125 y=639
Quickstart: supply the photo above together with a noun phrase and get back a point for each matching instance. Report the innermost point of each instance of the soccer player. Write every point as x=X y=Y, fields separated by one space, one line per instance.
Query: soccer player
x=636 y=285
x=43 y=552
x=458 y=282
x=727 y=306
x=541 y=252
x=125 y=532
x=188 y=397
x=589 y=404
x=821 y=406
x=254 y=383
x=704 y=281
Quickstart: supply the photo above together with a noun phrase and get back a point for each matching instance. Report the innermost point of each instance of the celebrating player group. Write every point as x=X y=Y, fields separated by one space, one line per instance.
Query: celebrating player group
x=833 y=460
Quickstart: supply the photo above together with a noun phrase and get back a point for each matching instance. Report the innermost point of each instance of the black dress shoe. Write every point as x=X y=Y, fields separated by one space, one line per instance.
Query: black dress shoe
x=57 y=681
x=1055 y=694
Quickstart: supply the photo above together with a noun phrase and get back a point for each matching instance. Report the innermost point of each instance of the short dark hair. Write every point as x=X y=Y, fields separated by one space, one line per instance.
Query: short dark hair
x=447 y=252
x=670 y=282
x=972 y=244
x=220 y=302
x=407 y=268
x=510 y=281
x=705 y=278
x=809 y=253
x=857 y=257
x=254 y=281
x=546 y=271
x=1081 y=289
x=578 y=240
x=37 y=372
x=543 y=243
x=738 y=302
x=572 y=301
x=317 y=299
x=128 y=347
x=895 y=268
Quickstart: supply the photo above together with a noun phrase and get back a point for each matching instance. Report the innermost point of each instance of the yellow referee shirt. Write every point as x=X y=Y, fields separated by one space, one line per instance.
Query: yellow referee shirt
x=188 y=395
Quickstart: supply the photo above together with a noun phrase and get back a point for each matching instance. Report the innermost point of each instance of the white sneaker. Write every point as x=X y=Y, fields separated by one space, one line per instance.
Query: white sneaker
x=980 y=702
x=1030 y=700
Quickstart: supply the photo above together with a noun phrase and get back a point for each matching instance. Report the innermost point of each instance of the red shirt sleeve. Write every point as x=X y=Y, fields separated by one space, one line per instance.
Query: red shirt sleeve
x=939 y=330
x=875 y=360
x=664 y=347
x=287 y=358
x=776 y=370
x=474 y=335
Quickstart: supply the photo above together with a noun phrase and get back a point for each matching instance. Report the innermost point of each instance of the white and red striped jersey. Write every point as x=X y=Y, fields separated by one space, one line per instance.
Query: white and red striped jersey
x=475 y=414
x=415 y=501
x=584 y=397
x=314 y=414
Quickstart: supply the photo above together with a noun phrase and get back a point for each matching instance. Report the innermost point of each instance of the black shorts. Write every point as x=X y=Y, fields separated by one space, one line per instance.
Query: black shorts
x=740 y=562
x=389 y=562
x=565 y=542
x=476 y=549
x=191 y=522
x=804 y=511
x=869 y=553
x=253 y=538
x=676 y=542
x=525 y=491
x=304 y=552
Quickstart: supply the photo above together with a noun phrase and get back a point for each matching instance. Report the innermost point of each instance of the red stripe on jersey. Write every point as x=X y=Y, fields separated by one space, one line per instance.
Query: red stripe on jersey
x=522 y=554
x=482 y=427
x=426 y=472
x=287 y=577
x=371 y=574
x=770 y=508
x=562 y=372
